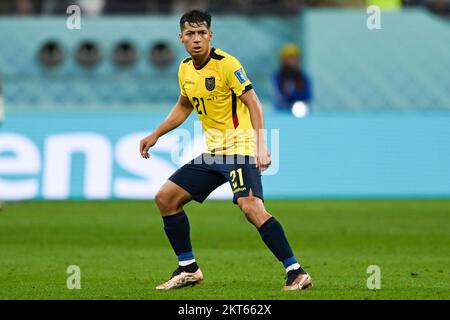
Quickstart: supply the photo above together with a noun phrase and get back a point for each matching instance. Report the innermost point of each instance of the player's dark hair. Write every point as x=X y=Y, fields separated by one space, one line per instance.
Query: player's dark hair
x=196 y=17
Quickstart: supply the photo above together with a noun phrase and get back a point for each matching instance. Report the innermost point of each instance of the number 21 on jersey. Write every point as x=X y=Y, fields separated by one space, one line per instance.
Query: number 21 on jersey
x=199 y=105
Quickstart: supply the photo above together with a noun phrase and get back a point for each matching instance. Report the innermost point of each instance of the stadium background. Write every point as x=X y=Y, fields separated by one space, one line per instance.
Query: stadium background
x=378 y=127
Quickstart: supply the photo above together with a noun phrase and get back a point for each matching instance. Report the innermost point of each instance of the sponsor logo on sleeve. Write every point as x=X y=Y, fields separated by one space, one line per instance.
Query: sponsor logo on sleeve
x=240 y=75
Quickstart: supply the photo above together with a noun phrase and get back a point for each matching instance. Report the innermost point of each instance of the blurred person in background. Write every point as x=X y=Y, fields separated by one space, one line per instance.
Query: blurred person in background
x=23 y=7
x=26 y=7
x=181 y=6
x=440 y=7
x=291 y=84
x=91 y=7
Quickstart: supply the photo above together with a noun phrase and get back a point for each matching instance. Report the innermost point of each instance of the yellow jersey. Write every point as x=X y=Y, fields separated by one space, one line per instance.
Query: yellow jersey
x=214 y=90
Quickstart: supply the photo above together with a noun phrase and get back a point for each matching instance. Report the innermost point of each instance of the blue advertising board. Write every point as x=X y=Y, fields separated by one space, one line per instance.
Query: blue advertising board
x=96 y=156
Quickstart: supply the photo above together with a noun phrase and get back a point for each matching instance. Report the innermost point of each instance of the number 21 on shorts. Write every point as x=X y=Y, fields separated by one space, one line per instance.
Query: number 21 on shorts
x=240 y=177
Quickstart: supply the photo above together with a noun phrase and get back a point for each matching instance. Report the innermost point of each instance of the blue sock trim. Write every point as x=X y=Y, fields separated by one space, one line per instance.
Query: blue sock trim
x=186 y=256
x=289 y=261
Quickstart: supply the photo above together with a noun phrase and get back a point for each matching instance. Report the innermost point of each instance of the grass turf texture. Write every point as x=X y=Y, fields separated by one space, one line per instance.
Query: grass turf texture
x=123 y=252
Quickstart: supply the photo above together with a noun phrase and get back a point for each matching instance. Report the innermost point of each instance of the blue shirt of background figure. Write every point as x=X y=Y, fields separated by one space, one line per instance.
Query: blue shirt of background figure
x=291 y=87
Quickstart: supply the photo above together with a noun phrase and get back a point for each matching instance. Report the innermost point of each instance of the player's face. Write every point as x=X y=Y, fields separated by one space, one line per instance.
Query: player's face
x=196 y=39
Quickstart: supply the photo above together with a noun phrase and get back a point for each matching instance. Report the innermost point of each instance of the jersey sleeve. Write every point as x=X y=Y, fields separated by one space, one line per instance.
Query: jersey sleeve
x=181 y=79
x=235 y=76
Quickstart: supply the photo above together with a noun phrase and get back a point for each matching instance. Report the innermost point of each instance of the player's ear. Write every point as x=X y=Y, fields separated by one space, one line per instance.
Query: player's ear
x=181 y=37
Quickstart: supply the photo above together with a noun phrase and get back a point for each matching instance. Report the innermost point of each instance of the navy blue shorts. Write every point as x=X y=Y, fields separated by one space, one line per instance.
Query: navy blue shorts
x=204 y=174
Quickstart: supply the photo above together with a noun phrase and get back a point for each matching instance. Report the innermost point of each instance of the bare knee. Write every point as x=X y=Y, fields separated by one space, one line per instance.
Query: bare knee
x=254 y=210
x=248 y=208
x=167 y=203
x=171 y=198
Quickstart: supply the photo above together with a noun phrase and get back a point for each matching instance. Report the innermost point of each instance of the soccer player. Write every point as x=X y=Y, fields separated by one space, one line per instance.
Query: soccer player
x=215 y=85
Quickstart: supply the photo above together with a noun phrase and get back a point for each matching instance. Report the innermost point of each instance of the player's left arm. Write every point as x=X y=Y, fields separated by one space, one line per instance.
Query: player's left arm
x=262 y=156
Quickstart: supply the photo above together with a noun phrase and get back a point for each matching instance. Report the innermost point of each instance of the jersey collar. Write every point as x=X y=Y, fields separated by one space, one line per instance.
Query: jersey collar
x=211 y=54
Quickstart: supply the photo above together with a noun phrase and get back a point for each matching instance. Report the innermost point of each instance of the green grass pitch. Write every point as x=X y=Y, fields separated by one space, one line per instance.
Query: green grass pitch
x=123 y=252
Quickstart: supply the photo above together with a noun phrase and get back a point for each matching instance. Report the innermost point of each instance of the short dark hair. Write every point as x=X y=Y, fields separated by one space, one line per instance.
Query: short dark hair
x=196 y=17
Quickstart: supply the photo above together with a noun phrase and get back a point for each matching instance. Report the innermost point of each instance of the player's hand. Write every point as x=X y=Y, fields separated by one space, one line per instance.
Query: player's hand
x=263 y=158
x=145 y=144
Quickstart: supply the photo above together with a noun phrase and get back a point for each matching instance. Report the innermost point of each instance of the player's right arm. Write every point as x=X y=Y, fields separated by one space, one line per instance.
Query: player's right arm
x=179 y=113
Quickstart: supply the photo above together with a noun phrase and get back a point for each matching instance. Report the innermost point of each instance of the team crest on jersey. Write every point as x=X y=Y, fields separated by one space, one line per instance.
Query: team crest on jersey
x=210 y=83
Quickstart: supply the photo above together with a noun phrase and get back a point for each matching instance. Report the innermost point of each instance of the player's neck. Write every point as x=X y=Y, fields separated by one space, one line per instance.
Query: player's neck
x=199 y=62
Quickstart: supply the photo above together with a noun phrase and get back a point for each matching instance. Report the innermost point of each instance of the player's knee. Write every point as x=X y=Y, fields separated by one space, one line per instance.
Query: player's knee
x=164 y=202
x=160 y=200
x=254 y=210
x=246 y=207
x=250 y=207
